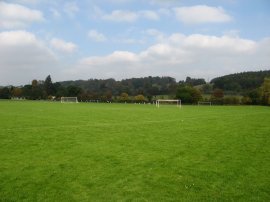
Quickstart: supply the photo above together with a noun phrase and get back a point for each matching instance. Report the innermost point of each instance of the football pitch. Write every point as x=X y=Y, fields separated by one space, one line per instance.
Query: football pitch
x=125 y=152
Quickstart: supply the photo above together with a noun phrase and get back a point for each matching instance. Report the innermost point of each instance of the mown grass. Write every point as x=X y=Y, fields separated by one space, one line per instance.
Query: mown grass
x=126 y=152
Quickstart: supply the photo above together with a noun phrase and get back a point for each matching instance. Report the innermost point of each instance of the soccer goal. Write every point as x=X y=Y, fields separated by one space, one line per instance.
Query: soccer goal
x=204 y=103
x=177 y=102
x=69 y=100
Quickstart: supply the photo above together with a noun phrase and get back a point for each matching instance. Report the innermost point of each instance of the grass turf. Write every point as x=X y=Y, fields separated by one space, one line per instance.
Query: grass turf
x=123 y=152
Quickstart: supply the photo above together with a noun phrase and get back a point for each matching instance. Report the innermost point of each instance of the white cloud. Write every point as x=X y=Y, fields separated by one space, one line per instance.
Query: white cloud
x=129 y=41
x=17 y=16
x=96 y=36
x=150 y=15
x=158 y=35
x=201 y=14
x=130 y=16
x=63 y=46
x=179 y=56
x=223 y=43
x=71 y=8
x=121 y=16
x=23 y=57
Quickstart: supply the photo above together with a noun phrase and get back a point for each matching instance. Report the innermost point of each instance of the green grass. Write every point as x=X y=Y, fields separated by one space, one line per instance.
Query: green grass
x=113 y=152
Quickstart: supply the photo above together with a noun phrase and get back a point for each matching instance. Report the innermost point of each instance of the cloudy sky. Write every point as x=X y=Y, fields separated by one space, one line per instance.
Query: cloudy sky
x=131 y=38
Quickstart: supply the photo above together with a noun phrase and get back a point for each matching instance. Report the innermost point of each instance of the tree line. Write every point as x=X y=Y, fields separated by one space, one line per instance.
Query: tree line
x=93 y=89
x=144 y=89
x=148 y=89
x=240 y=82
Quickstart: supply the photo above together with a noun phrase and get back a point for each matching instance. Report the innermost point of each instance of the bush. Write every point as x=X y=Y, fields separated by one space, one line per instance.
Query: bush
x=246 y=100
x=231 y=100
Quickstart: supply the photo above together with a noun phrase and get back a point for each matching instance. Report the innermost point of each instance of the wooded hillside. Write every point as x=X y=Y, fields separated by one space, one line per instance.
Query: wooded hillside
x=241 y=82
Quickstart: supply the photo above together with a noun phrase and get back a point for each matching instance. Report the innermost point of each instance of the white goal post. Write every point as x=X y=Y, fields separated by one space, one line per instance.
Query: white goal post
x=204 y=103
x=69 y=100
x=178 y=102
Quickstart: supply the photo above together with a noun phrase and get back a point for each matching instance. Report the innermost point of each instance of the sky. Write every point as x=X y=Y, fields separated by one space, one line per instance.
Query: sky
x=83 y=39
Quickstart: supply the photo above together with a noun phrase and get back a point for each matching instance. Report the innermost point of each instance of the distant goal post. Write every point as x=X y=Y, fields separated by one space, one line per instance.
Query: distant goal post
x=69 y=100
x=200 y=103
x=177 y=102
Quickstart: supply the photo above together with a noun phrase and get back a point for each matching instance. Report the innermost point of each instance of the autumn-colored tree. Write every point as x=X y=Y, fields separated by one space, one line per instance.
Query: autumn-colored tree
x=16 y=92
x=218 y=93
x=217 y=96
x=140 y=98
x=34 y=83
x=124 y=97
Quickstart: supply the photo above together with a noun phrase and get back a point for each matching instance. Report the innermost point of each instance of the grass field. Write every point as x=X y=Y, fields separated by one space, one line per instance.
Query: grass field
x=113 y=152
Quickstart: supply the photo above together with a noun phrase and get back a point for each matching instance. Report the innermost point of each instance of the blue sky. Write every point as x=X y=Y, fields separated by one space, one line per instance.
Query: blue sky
x=131 y=38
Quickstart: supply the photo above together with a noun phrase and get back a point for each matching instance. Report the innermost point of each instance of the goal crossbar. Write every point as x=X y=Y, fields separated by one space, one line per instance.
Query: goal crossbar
x=178 y=102
x=204 y=103
x=69 y=100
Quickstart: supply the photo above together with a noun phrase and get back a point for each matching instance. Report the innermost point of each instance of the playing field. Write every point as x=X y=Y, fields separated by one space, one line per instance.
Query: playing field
x=127 y=152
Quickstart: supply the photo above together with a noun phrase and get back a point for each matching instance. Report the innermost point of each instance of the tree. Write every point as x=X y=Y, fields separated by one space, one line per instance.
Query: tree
x=48 y=86
x=107 y=96
x=16 y=92
x=140 y=98
x=194 y=82
x=207 y=88
x=218 y=93
x=27 y=91
x=196 y=95
x=231 y=100
x=123 y=97
x=255 y=96
x=37 y=91
x=73 y=91
x=244 y=81
x=34 y=83
x=217 y=96
x=265 y=91
x=246 y=100
x=5 y=93
x=188 y=94
x=184 y=93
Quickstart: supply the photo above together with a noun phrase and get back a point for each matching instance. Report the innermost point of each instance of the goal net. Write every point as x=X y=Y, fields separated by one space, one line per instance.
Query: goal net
x=176 y=102
x=204 y=103
x=69 y=100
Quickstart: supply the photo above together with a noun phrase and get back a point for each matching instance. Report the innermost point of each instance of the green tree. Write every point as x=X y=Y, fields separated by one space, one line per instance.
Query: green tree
x=48 y=86
x=5 y=93
x=207 y=88
x=265 y=91
x=74 y=91
x=188 y=94
x=231 y=100
x=37 y=92
x=246 y=100
x=194 y=82
x=255 y=96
